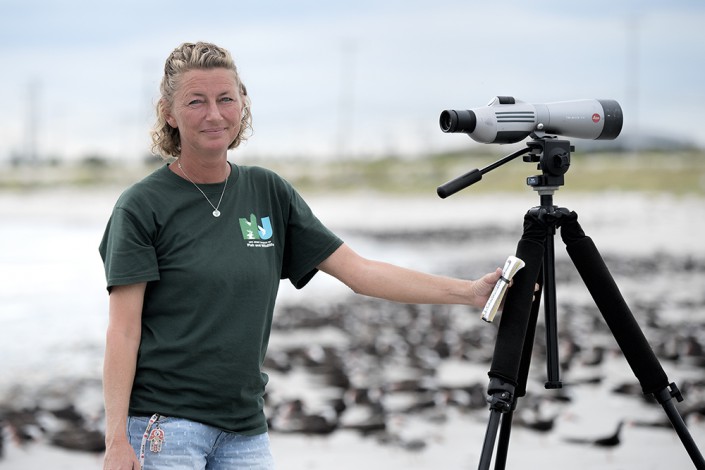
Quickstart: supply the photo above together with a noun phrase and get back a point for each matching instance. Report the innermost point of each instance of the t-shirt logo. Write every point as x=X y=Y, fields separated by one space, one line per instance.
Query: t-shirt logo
x=251 y=230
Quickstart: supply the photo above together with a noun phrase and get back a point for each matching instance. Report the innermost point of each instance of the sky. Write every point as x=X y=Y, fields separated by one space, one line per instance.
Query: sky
x=329 y=78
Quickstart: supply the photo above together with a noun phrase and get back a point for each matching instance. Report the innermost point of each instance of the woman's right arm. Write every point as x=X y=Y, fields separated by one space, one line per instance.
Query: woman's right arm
x=121 y=345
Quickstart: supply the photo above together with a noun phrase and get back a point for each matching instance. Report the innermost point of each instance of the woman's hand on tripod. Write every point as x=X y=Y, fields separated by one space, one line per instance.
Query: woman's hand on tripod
x=482 y=288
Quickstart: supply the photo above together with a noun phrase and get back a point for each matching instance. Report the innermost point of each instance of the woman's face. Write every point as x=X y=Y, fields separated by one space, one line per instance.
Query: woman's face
x=207 y=110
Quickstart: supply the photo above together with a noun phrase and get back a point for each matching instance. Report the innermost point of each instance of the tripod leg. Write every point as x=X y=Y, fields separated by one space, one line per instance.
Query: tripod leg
x=511 y=337
x=490 y=435
x=529 y=343
x=551 y=313
x=505 y=432
x=624 y=327
x=614 y=309
x=665 y=398
x=517 y=310
x=520 y=391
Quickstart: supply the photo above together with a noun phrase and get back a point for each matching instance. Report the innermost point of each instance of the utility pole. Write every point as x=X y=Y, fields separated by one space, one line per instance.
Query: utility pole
x=632 y=81
x=31 y=155
x=345 y=134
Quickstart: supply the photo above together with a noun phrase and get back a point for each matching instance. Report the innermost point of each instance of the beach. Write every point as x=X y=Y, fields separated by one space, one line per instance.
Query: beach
x=53 y=315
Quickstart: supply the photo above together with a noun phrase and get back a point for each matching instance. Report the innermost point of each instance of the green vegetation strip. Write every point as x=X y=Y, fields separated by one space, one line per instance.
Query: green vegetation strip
x=677 y=173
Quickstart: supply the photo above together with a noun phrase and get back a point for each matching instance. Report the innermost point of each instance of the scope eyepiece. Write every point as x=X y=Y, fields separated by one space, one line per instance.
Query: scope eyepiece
x=458 y=121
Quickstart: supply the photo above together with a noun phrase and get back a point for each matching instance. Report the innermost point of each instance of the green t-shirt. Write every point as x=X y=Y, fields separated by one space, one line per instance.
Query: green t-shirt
x=211 y=287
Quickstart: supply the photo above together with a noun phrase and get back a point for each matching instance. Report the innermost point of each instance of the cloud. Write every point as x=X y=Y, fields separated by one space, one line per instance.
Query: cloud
x=370 y=77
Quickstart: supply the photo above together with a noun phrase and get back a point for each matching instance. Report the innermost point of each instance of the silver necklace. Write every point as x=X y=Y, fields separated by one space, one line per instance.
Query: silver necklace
x=216 y=212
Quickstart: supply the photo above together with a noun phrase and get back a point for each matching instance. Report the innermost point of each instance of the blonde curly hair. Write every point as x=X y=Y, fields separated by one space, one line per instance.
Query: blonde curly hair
x=166 y=141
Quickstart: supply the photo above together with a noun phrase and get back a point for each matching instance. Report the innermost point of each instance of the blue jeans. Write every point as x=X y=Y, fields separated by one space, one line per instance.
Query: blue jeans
x=188 y=445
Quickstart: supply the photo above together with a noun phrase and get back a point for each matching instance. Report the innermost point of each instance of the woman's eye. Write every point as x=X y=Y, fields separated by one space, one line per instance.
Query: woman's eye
x=195 y=102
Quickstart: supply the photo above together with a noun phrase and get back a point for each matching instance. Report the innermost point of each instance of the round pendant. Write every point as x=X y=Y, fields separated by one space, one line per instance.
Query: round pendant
x=216 y=213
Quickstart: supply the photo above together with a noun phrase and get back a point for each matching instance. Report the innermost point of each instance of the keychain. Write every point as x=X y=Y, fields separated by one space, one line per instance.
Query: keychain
x=154 y=436
x=156 y=439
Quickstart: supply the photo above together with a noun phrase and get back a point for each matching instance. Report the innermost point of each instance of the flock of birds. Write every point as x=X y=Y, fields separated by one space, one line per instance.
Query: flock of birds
x=364 y=394
x=356 y=385
x=51 y=417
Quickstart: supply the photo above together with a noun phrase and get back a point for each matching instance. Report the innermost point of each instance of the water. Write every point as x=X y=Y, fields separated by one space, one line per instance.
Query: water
x=53 y=302
x=53 y=308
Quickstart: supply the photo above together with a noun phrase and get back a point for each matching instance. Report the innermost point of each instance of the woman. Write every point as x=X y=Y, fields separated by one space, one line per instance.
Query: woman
x=193 y=256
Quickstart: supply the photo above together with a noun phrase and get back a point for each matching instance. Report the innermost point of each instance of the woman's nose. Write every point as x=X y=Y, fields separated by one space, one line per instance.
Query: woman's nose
x=212 y=111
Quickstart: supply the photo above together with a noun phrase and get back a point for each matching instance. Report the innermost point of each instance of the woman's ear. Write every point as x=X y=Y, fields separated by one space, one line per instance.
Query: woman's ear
x=165 y=110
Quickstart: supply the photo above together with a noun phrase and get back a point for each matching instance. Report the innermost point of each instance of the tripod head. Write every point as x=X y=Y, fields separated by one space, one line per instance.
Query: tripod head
x=553 y=157
x=551 y=154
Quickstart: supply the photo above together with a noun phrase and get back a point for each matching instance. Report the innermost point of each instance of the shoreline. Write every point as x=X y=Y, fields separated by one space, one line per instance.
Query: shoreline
x=660 y=268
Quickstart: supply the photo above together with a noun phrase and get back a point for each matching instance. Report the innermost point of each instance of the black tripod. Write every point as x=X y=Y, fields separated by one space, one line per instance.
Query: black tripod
x=515 y=337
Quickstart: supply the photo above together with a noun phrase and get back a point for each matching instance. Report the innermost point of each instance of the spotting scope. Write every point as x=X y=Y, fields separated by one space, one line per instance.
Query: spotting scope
x=506 y=120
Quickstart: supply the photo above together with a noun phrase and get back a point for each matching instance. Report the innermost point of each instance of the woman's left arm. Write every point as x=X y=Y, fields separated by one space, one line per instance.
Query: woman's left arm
x=390 y=282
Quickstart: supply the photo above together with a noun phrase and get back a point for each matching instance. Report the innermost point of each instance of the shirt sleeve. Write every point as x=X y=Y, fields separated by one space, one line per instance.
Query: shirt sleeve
x=127 y=250
x=308 y=243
